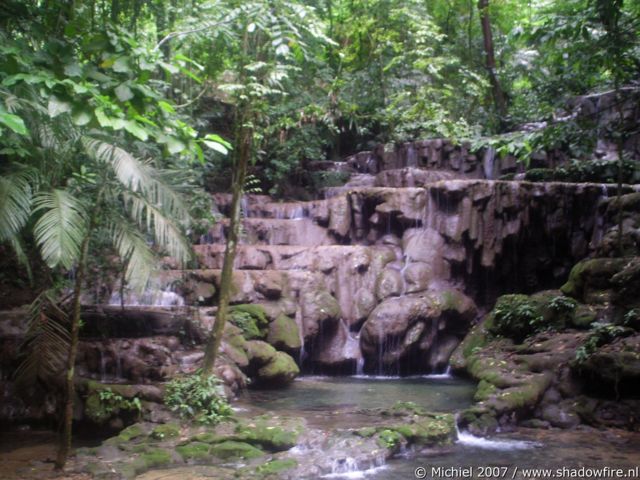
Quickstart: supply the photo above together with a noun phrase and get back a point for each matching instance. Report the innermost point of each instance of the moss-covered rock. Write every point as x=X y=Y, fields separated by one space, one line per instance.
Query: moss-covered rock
x=251 y=319
x=281 y=370
x=284 y=334
x=152 y=458
x=276 y=466
x=166 y=431
x=519 y=316
x=430 y=430
x=390 y=439
x=197 y=451
x=269 y=434
x=260 y=353
x=590 y=281
x=131 y=432
x=231 y=450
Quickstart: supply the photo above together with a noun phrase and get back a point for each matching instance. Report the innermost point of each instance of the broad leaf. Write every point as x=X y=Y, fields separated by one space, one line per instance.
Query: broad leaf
x=14 y=122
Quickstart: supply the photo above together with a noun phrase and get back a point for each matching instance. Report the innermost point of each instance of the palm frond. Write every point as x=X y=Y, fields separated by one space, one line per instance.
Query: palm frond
x=133 y=250
x=139 y=176
x=15 y=204
x=44 y=350
x=151 y=202
x=166 y=232
x=60 y=229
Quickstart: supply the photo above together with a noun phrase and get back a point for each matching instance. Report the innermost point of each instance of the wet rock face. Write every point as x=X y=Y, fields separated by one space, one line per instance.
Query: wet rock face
x=410 y=333
x=405 y=230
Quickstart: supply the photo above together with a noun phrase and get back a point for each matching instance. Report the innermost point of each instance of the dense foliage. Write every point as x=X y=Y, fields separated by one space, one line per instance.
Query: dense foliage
x=198 y=397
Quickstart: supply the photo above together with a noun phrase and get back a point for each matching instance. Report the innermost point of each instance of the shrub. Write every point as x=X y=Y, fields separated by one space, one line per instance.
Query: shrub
x=516 y=317
x=198 y=397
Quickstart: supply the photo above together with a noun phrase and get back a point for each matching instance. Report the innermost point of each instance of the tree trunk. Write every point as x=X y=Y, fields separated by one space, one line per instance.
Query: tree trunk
x=498 y=94
x=65 y=439
x=245 y=139
x=620 y=148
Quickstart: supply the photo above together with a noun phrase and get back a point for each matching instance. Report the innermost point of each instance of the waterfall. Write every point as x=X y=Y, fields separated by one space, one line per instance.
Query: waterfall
x=488 y=162
x=244 y=207
x=103 y=365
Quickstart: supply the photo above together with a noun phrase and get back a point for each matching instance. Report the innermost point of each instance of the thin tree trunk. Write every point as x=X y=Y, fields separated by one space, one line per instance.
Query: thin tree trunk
x=498 y=94
x=245 y=139
x=65 y=439
x=620 y=149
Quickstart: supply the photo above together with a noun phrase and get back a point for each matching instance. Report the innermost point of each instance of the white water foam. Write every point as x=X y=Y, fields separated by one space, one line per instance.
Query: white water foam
x=355 y=474
x=469 y=440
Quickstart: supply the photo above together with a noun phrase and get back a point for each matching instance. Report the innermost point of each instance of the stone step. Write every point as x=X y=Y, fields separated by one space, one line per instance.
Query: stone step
x=289 y=257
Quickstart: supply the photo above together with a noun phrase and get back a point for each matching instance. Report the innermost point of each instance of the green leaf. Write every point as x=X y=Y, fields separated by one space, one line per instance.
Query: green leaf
x=73 y=70
x=216 y=146
x=14 y=122
x=81 y=117
x=123 y=92
x=166 y=107
x=57 y=106
x=174 y=145
x=121 y=65
x=60 y=229
x=103 y=120
x=217 y=138
x=136 y=130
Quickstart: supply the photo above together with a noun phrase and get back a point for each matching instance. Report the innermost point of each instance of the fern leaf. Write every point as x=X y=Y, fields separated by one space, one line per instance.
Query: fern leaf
x=60 y=229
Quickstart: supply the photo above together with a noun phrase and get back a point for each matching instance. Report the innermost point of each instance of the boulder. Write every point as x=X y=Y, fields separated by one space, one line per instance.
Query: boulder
x=284 y=335
x=279 y=371
x=404 y=329
x=319 y=309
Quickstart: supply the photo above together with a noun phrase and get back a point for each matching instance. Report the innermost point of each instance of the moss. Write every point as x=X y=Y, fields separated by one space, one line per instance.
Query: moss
x=284 y=334
x=154 y=457
x=194 y=451
x=430 y=430
x=484 y=391
x=404 y=408
x=390 y=439
x=130 y=433
x=251 y=319
x=232 y=449
x=366 y=432
x=207 y=437
x=518 y=316
x=168 y=430
x=584 y=317
x=261 y=432
x=276 y=466
x=259 y=352
x=95 y=409
x=281 y=370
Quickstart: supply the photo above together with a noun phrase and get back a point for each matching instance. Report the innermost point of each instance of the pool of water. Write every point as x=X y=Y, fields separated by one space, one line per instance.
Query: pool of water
x=352 y=401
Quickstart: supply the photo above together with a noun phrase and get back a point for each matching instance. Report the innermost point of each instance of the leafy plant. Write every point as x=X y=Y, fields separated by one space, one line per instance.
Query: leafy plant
x=562 y=304
x=112 y=402
x=602 y=334
x=516 y=317
x=198 y=397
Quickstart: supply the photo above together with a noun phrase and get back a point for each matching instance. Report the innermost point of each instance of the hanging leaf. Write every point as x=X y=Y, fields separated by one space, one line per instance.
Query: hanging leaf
x=136 y=130
x=174 y=145
x=57 y=106
x=123 y=92
x=81 y=117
